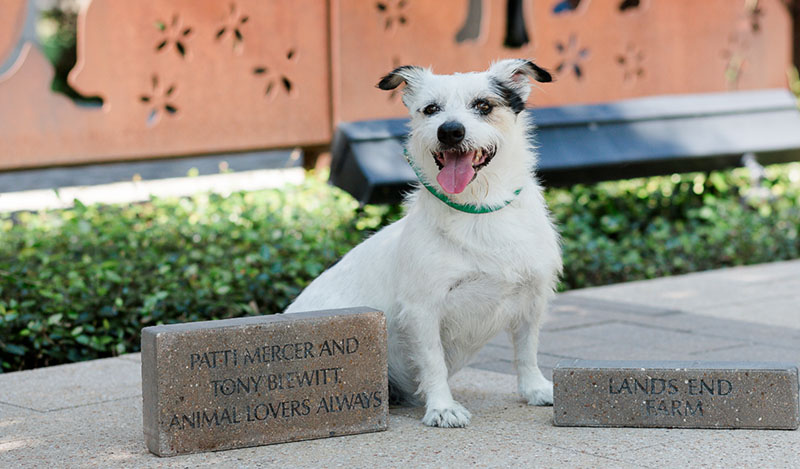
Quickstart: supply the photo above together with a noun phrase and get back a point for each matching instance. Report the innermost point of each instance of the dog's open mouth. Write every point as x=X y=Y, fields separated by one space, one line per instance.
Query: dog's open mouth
x=457 y=168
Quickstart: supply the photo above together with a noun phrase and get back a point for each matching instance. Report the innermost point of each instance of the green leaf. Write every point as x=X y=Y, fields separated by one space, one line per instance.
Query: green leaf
x=15 y=349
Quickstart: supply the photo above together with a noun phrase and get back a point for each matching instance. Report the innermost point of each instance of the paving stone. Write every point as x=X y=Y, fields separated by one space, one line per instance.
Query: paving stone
x=10 y=411
x=554 y=340
x=738 y=290
x=620 y=351
x=638 y=337
x=504 y=432
x=753 y=352
x=491 y=351
x=502 y=339
x=557 y=335
x=568 y=323
x=710 y=292
x=107 y=434
x=550 y=360
x=581 y=299
x=691 y=323
x=134 y=357
x=562 y=342
x=709 y=449
x=496 y=365
x=676 y=394
x=768 y=273
x=778 y=311
x=505 y=365
x=259 y=380
x=108 y=379
x=706 y=326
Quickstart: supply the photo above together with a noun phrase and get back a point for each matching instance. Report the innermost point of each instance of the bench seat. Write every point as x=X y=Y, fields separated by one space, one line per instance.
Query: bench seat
x=591 y=143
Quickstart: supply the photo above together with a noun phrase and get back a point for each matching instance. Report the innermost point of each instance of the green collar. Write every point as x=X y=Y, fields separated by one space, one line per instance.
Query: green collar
x=466 y=208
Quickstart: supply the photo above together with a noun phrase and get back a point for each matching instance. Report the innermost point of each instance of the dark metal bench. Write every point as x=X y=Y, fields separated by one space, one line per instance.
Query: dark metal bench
x=579 y=144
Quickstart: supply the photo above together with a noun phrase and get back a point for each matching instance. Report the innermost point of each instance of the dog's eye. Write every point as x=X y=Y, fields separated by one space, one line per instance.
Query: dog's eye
x=431 y=109
x=483 y=107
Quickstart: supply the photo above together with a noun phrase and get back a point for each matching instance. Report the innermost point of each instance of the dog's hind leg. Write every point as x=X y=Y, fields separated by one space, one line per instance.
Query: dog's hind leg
x=533 y=386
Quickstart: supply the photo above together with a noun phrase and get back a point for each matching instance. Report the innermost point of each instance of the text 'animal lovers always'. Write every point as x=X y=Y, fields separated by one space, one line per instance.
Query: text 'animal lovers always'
x=267 y=384
x=234 y=383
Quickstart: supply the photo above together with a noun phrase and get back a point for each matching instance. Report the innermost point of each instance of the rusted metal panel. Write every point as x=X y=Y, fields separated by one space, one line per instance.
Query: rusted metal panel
x=181 y=77
x=601 y=50
x=11 y=22
x=176 y=77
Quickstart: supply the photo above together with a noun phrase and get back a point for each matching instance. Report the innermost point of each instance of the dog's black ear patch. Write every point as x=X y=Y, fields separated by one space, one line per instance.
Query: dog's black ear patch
x=538 y=73
x=398 y=76
x=518 y=71
x=512 y=99
x=510 y=80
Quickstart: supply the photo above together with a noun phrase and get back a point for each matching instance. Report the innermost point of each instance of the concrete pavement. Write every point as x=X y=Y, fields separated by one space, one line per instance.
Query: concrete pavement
x=137 y=181
x=89 y=414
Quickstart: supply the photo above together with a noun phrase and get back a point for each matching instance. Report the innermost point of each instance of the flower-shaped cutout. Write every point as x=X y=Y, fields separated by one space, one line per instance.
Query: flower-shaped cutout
x=159 y=101
x=626 y=5
x=566 y=6
x=393 y=13
x=571 y=56
x=631 y=61
x=277 y=80
x=754 y=15
x=174 y=34
x=735 y=58
x=232 y=27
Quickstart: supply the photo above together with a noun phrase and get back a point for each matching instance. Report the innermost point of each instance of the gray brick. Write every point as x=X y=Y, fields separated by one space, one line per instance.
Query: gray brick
x=676 y=394
x=637 y=337
x=260 y=380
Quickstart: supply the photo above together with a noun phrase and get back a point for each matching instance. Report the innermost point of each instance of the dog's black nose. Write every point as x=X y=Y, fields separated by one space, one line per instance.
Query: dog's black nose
x=451 y=133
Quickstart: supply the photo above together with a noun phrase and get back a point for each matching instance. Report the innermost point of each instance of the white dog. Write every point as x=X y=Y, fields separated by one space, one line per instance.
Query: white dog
x=476 y=253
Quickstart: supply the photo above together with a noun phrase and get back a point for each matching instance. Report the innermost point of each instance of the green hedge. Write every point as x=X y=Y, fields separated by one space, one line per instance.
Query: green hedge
x=645 y=228
x=79 y=284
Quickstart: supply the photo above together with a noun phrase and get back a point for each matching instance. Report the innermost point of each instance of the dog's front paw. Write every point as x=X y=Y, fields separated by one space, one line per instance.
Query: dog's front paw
x=539 y=394
x=451 y=416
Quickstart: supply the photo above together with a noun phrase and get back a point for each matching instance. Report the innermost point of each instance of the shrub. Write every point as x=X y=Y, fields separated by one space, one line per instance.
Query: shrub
x=646 y=228
x=79 y=284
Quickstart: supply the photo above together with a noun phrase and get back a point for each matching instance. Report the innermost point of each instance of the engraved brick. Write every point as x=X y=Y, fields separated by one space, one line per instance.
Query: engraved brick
x=233 y=383
x=676 y=394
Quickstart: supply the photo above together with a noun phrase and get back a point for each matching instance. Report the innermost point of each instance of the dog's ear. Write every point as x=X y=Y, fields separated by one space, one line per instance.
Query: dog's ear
x=411 y=75
x=519 y=70
x=407 y=74
x=512 y=78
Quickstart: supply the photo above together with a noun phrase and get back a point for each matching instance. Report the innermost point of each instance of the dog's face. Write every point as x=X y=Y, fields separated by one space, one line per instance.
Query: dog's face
x=460 y=122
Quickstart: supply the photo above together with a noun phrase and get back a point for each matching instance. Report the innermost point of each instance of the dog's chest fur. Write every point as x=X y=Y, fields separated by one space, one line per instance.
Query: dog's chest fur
x=507 y=249
x=479 y=272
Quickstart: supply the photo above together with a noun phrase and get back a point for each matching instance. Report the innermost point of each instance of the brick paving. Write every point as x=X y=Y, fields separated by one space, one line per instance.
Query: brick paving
x=580 y=326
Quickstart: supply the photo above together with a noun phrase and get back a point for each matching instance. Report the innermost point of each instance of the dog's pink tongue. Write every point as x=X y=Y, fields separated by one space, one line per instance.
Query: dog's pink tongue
x=457 y=171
